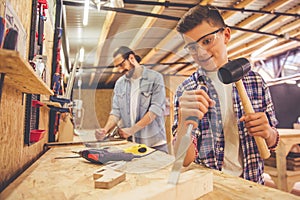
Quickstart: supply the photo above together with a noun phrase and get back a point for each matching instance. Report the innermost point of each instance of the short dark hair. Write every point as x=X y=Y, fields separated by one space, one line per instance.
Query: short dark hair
x=125 y=52
x=197 y=15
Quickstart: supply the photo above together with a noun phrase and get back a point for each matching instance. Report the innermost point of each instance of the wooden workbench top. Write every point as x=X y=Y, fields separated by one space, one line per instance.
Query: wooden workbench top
x=50 y=178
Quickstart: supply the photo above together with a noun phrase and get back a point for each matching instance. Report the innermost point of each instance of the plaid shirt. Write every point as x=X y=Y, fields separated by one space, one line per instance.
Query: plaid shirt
x=208 y=138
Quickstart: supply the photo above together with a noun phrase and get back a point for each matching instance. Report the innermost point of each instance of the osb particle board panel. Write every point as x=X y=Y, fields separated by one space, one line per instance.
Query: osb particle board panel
x=23 y=10
x=19 y=74
x=73 y=179
x=14 y=155
x=96 y=105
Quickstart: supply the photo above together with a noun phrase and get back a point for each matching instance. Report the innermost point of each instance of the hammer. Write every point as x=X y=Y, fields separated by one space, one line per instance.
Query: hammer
x=234 y=71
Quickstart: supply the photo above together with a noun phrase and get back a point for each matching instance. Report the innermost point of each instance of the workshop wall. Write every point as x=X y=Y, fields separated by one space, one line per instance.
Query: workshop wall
x=15 y=156
x=96 y=107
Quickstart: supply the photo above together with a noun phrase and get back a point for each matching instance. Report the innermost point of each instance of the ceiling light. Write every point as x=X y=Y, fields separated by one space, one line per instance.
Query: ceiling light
x=86 y=12
x=81 y=54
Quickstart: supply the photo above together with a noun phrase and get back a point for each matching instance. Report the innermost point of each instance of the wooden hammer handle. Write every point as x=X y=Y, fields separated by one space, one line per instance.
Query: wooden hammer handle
x=261 y=143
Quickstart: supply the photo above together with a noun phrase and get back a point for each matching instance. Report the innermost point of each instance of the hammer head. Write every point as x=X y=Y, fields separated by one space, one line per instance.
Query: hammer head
x=234 y=70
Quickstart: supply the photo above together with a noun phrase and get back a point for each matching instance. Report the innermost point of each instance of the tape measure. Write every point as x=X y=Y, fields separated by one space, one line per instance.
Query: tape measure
x=139 y=149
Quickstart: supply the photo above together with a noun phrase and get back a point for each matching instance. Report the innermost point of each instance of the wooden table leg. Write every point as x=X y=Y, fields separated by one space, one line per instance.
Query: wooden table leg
x=281 y=153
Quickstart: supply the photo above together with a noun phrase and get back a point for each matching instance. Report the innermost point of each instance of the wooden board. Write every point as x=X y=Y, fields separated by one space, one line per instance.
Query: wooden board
x=106 y=178
x=191 y=185
x=20 y=75
x=90 y=144
x=51 y=178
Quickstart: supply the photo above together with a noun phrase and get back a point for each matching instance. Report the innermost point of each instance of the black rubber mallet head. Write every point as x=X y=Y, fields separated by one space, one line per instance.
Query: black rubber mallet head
x=234 y=71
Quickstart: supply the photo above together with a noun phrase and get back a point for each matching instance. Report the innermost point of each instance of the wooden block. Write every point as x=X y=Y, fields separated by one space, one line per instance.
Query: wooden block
x=192 y=185
x=106 y=178
x=66 y=128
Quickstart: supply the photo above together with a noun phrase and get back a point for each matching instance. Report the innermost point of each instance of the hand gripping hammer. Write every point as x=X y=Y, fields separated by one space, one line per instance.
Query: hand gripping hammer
x=234 y=71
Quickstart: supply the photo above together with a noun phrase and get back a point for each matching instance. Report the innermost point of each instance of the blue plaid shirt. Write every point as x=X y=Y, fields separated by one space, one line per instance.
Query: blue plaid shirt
x=209 y=136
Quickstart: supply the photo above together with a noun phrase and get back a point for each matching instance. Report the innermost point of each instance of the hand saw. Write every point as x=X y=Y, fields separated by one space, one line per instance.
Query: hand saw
x=181 y=152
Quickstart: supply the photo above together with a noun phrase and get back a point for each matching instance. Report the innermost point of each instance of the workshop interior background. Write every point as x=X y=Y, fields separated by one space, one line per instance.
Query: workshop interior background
x=155 y=40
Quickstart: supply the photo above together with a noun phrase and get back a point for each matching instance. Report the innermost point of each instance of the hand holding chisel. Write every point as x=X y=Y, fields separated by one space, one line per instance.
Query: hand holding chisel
x=193 y=106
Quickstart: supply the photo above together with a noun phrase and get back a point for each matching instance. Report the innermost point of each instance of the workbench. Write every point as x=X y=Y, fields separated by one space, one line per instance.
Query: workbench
x=50 y=178
x=283 y=178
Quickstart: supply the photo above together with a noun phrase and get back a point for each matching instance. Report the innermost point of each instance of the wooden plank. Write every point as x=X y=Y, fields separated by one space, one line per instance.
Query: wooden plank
x=51 y=178
x=106 y=178
x=92 y=144
x=191 y=185
x=20 y=75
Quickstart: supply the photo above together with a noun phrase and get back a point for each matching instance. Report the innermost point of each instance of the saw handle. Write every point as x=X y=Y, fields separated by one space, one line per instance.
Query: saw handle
x=260 y=142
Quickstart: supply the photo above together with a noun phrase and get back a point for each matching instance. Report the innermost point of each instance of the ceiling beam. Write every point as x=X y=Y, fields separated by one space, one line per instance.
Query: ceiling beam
x=103 y=35
x=141 y=33
x=292 y=28
x=280 y=47
x=146 y=26
x=105 y=30
x=161 y=45
x=230 y=13
x=247 y=23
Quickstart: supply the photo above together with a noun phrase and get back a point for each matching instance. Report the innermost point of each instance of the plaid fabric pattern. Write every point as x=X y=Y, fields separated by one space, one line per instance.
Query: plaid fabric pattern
x=208 y=138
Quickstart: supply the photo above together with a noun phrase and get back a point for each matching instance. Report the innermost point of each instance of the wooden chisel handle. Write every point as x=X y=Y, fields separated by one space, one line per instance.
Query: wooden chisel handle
x=260 y=142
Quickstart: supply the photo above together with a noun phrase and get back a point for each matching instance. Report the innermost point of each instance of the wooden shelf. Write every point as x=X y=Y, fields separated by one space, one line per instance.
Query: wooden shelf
x=20 y=75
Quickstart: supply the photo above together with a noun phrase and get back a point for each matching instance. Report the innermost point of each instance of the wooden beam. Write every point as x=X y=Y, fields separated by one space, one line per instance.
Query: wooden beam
x=146 y=26
x=105 y=30
x=141 y=33
x=241 y=39
x=242 y=4
x=191 y=185
x=279 y=48
x=171 y=35
x=273 y=6
x=249 y=47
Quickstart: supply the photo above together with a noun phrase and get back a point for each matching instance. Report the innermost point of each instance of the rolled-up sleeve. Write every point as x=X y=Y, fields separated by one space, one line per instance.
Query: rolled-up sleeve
x=158 y=101
x=115 y=110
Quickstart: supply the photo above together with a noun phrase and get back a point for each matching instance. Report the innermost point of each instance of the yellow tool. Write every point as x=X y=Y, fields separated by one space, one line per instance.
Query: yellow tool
x=139 y=149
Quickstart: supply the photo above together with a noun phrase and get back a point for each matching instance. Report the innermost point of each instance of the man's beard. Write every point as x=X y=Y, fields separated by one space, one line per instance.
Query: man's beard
x=130 y=73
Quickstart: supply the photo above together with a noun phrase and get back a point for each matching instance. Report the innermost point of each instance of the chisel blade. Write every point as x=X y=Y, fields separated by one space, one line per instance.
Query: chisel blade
x=180 y=155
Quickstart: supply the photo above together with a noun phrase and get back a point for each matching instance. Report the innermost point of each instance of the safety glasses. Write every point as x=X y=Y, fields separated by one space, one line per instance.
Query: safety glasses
x=205 y=42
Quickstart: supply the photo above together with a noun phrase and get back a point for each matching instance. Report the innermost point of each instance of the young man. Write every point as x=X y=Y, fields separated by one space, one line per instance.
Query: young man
x=139 y=101
x=223 y=138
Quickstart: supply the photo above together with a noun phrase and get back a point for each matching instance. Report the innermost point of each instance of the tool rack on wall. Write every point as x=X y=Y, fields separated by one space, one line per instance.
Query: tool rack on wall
x=32 y=113
x=20 y=75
